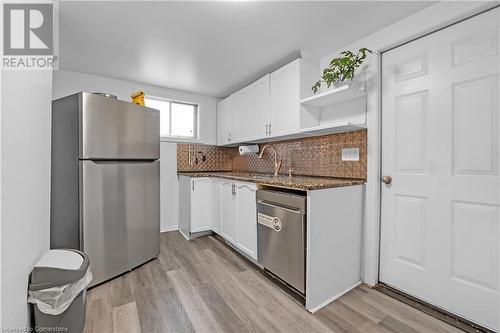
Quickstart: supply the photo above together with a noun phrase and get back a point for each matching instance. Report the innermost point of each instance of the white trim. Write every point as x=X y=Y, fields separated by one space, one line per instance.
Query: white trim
x=200 y=229
x=421 y=23
x=1 y=201
x=196 y=117
x=181 y=139
x=240 y=251
x=187 y=238
x=168 y=227
x=328 y=301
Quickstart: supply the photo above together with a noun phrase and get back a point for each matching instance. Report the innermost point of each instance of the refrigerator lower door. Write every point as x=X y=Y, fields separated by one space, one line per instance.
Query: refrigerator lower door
x=120 y=215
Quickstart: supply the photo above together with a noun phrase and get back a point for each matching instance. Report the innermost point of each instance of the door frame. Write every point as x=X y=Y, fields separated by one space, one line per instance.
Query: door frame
x=436 y=17
x=480 y=10
x=457 y=18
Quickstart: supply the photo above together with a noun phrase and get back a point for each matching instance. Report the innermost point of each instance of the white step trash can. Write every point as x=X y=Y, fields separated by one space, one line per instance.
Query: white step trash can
x=57 y=289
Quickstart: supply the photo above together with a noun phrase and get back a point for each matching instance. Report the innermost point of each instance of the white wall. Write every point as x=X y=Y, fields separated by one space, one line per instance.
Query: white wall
x=1 y=294
x=68 y=82
x=169 y=188
x=25 y=178
x=425 y=21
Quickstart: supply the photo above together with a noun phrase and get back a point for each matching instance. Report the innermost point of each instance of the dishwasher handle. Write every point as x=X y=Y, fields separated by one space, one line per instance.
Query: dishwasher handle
x=288 y=209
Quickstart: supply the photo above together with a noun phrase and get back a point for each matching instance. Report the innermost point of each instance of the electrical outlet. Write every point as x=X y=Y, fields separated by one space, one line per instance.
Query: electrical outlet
x=350 y=154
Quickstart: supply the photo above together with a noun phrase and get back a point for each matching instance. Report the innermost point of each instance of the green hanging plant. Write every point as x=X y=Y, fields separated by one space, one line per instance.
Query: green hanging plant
x=342 y=68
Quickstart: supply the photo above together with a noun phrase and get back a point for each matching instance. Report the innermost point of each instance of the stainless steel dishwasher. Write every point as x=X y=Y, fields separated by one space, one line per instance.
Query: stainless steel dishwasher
x=281 y=231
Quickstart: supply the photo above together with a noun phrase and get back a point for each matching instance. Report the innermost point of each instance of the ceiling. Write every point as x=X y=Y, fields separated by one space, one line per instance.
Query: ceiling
x=211 y=48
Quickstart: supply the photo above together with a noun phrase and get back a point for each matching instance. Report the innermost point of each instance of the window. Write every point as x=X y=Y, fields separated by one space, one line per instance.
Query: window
x=177 y=119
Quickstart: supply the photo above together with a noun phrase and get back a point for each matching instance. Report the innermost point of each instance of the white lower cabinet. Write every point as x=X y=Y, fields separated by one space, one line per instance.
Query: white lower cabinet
x=226 y=207
x=201 y=208
x=246 y=229
x=216 y=199
x=228 y=211
x=195 y=205
x=239 y=216
x=333 y=235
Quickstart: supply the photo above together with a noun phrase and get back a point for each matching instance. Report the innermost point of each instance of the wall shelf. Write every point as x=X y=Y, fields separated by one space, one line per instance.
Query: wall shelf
x=332 y=128
x=335 y=96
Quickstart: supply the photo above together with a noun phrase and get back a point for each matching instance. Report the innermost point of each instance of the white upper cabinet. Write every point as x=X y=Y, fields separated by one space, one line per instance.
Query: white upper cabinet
x=289 y=85
x=258 y=117
x=250 y=111
x=239 y=115
x=224 y=121
x=268 y=108
x=285 y=117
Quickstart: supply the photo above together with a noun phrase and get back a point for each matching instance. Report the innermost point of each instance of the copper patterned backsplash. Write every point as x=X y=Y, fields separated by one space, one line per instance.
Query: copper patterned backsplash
x=314 y=156
x=217 y=158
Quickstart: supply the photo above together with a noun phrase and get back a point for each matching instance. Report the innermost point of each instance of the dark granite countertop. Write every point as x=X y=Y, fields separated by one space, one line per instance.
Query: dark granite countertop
x=305 y=183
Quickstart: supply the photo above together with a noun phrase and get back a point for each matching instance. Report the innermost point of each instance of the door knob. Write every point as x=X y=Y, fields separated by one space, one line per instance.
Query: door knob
x=387 y=180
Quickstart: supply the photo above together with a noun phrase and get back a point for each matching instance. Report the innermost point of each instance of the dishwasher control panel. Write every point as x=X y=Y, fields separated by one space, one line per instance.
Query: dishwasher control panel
x=269 y=221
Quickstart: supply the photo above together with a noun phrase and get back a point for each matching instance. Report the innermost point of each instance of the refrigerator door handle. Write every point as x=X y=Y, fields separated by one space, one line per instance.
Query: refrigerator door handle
x=121 y=161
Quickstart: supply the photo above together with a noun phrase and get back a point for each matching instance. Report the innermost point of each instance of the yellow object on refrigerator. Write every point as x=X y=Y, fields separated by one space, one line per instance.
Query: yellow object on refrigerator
x=138 y=98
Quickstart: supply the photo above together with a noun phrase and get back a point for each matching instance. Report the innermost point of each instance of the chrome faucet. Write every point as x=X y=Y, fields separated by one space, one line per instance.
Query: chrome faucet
x=277 y=165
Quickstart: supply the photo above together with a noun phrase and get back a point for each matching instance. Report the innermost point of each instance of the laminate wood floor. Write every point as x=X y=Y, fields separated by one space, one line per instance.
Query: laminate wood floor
x=204 y=286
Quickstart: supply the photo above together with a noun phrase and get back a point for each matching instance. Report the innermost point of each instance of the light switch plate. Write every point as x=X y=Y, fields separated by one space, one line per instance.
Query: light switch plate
x=350 y=154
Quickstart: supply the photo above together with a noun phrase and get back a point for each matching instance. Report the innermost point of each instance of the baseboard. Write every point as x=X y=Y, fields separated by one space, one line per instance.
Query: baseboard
x=185 y=236
x=169 y=227
x=331 y=299
x=432 y=310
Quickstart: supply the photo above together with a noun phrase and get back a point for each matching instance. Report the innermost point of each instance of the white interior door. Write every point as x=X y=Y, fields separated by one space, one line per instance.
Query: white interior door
x=440 y=145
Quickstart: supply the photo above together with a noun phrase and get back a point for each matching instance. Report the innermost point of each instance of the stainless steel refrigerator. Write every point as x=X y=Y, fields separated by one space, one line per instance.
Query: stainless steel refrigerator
x=105 y=182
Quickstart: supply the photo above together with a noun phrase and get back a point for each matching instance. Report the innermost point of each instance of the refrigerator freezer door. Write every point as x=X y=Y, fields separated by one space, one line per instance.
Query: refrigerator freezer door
x=120 y=215
x=113 y=129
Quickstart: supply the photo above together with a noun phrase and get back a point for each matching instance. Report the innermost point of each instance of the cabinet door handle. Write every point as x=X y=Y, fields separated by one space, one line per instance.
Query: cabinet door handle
x=193 y=184
x=269 y=128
